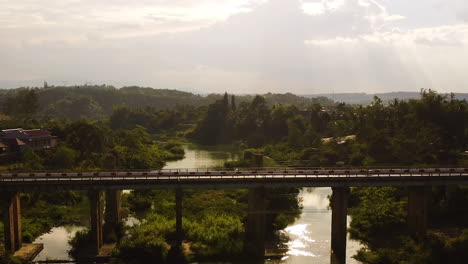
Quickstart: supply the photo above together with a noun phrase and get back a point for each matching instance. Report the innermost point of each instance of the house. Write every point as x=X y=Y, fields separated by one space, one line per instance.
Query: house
x=19 y=140
x=339 y=140
x=3 y=147
x=13 y=145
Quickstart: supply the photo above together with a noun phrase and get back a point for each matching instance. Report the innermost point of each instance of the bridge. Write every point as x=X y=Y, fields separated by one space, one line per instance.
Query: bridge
x=256 y=180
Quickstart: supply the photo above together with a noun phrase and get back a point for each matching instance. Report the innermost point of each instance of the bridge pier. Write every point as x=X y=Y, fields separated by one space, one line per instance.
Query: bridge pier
x=12 y=221
x=179 y=231
x=112 y=214
x=417 y=210
x=339 y=204
x=451 y=193
x=95 y=204
x=113 y=207
x=255 y=235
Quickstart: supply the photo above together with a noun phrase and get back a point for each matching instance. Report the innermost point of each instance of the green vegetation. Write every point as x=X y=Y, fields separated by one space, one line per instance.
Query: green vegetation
x=94 y=146
x=41 y=211
x=23 y=104
x=426 y=132
x=98 y=101
x=140 y=128
x=147 y=241
x=84 y=145
x=379 y=222
x=213 y=223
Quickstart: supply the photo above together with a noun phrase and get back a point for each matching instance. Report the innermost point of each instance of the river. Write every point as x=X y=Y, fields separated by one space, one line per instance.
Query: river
x=309 y=234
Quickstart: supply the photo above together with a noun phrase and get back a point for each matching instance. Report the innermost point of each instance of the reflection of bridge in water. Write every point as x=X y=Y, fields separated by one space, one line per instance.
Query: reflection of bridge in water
x=256 y=180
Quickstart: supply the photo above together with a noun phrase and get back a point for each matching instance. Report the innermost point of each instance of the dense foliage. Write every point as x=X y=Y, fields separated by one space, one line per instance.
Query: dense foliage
x=98 y=101
x=292 y=131
x=379 y=222
x=93 y=145
x=432 y=130
x=213 y=222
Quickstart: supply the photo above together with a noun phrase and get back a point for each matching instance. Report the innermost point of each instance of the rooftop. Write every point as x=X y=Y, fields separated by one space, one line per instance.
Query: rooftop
x=37 y=132
x=12 y=130
x=27 y=132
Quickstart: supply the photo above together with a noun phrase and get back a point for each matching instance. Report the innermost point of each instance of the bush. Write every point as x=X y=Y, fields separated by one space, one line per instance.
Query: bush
x=79 y=244
x=380 y=212
x=146 y=242
x=32 y=161
x=64 y=157
x=218 y=236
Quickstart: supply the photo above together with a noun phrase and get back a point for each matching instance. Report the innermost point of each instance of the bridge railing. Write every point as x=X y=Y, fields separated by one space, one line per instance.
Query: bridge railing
x=197 y=174
x=279 y=167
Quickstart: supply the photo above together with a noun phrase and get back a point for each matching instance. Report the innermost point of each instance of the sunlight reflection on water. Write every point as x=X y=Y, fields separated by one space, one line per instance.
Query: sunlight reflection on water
x=310 y=234
x=299 y=240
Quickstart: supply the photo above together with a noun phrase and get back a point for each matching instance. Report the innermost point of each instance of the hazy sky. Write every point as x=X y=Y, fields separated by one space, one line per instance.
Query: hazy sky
x=242 y=46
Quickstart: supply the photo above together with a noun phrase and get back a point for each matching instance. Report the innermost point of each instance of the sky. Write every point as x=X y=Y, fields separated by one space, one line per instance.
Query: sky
x=238 y=46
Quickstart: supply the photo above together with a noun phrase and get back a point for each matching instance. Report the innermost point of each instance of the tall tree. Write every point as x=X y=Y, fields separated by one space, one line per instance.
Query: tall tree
x=24 y=103
x=233 y=103
x=226 y=102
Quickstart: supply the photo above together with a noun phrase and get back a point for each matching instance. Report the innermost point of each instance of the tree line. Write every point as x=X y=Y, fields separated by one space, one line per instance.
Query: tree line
x=98 y=101
x=430 y=131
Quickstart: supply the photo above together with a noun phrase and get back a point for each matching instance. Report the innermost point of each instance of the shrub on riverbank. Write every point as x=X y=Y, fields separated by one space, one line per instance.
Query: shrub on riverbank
x=378 y=212
x=147 y=242
x=80 y=245
x=216 y=237
x=9 y=259
x=378 y=220
x=173 y=150
x=213 y=221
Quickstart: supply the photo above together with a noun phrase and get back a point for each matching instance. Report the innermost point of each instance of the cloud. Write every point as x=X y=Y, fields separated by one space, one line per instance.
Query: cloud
x=300 y=46
x=39 y=20
x=457 y=7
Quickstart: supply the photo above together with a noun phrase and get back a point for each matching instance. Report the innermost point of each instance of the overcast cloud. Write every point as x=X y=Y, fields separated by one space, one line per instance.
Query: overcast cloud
x=242 y=46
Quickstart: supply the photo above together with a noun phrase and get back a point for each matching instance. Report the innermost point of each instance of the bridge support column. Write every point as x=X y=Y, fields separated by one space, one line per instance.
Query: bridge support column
x=112 y=216
x=179 y=231
x=339 y=204
x=255 y=239
x=451 y=193
x=417 y=210
x=95 y=205
x=12 y=221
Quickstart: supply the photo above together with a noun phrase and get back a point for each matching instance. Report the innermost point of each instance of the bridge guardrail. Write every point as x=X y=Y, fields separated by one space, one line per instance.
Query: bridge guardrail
x=181 y=174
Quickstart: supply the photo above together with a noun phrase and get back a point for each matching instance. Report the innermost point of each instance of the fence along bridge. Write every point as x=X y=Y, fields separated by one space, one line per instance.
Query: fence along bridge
x=256 y=180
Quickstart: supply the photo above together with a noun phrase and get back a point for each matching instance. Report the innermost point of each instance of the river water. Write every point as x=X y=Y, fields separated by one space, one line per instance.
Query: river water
x=309 y=235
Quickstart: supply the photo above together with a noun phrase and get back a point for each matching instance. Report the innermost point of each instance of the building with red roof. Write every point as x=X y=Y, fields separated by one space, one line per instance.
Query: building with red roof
x=19 y=140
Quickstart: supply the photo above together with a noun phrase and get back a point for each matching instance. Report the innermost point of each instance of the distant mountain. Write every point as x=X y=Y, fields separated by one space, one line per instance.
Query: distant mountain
x=364 y=98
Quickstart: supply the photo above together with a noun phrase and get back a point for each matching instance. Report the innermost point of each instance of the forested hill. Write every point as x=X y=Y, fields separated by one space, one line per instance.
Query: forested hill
x=365 y=99
x=91 y=102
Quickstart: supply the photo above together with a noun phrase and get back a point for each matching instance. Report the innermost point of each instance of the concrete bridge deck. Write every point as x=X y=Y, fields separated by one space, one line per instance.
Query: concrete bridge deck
x=256 y=180
x=205 y=179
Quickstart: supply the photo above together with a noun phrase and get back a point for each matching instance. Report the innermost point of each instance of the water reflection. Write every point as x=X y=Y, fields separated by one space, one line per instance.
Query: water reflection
x=310 y=234
x=298 y=245
x=56 y=242
x=202 y=157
